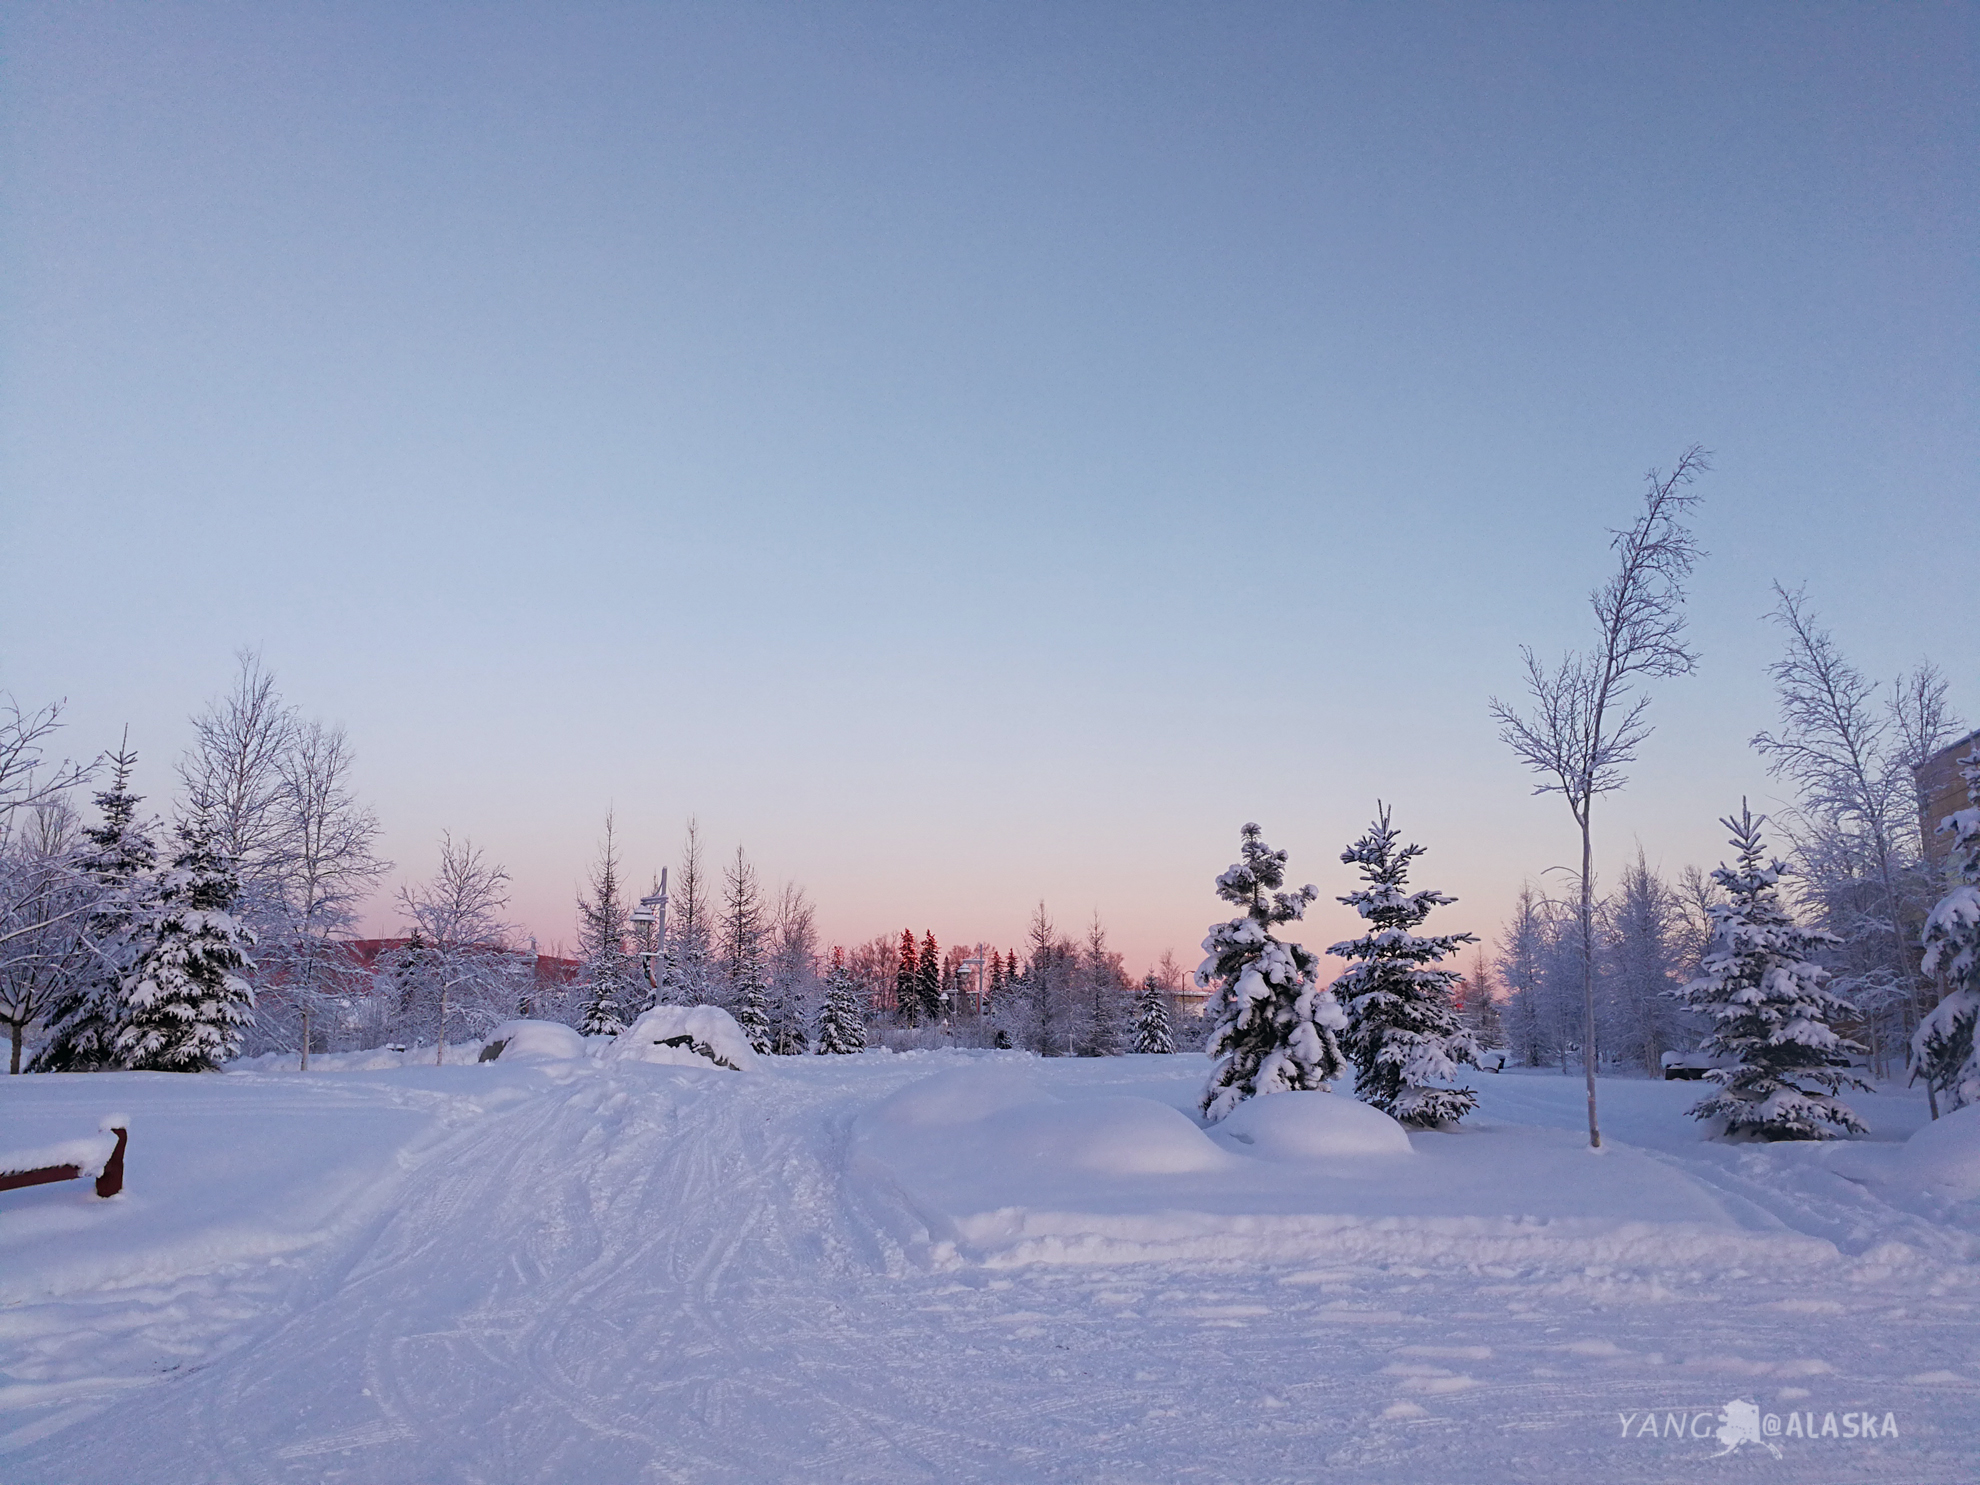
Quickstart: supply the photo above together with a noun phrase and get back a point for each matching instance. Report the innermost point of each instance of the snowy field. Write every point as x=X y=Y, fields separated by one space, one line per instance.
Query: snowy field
x=963 y=1266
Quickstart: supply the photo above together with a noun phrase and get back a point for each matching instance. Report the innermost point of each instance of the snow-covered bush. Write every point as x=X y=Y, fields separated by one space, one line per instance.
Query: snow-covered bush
x=685 y=1036
x=1764 y=995
x=1275 y=1026
x=1403 y=1030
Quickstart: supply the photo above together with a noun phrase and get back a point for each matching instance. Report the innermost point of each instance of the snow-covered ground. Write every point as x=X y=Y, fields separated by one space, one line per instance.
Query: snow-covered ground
x=836 y=1269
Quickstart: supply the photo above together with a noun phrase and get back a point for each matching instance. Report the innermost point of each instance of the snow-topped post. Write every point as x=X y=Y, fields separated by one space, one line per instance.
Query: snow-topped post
x=1275 y=1026
x=1763 y=993
x=1943 y=1046
x=1403 y=1030
x=1152 y=1031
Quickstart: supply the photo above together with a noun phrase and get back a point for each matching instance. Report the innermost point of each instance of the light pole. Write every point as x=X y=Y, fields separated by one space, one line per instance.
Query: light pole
x=653 y=909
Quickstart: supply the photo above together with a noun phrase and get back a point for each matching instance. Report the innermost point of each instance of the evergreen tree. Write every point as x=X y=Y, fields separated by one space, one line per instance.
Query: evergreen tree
x=608 y=976
x=752 y=1008
x=1152 y=1032
x=684 y=970
x=1100 y=1012
x=841 y=1027
x=1403 y=1031
x=907 y=982
x=185 y=998
x=1274 y=1025
x=1943 y=1046
x=928 y=981
x=1764 y=996
x=119 y=860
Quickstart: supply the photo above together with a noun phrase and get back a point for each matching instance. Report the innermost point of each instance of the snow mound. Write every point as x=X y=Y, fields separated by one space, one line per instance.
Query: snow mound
x=1118 y=1136
x=1303 y=1125
x=685 y=1036
x=951 y=1098
x=1945 y=1154
x=515 y=1040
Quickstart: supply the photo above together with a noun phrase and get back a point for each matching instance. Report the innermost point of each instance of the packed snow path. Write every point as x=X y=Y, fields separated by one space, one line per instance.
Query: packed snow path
x=602 y=1274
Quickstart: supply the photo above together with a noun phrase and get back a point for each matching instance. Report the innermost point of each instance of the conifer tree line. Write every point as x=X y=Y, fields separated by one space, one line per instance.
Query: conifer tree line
x=223 y=925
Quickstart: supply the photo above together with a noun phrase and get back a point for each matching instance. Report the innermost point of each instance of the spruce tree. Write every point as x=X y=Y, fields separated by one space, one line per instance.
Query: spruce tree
x=1943 y=1047
x=608 y=975
x=752 y=991
x=907 y=982
x=1761 y=990
x=841 y=1027
x=185 y=1000
x=928 y=981
x=1403 y=1030
x=119 y=862
x=1274 y=1025
x=1152 y=1032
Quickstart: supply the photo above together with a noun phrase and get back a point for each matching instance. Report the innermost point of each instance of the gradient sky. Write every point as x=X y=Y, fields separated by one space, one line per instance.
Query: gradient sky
x=972 y=455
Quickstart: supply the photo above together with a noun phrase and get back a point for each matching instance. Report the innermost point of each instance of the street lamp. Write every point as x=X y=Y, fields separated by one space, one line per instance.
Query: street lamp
x=653 y=909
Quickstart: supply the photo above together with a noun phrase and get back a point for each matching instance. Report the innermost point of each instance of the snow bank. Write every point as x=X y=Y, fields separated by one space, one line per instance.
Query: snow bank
x=515 y=1040
x=951 y=1098
x=1945 y=1155
x=1306 y=1125
x=685 y=1036
x=371 y=1059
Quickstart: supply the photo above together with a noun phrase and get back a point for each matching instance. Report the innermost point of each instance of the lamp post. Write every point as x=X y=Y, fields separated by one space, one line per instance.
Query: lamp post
x=652 y=910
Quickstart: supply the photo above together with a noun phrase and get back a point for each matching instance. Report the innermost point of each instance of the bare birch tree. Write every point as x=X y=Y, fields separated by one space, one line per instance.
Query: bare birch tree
x=326 y=838
x=233 y=778
x=458 y=917
x=1587 y=716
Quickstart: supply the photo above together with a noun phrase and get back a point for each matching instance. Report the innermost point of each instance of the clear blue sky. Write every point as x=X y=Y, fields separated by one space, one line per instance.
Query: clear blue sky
x=974 y=454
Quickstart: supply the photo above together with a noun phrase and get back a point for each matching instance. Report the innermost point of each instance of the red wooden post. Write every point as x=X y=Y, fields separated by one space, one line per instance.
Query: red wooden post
x=112 y=1179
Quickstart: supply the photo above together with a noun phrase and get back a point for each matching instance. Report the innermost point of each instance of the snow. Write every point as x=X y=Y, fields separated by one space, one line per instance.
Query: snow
x=1944 y=1156
x=520 y=1039
x=1295 y=1126
x=960 y=1266
x=89 y=1153
x=713 y=1039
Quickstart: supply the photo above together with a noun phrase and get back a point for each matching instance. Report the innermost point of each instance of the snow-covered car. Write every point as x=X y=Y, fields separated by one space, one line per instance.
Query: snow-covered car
x=684 y=1036
x=517 y=1040
x=1688 y=1065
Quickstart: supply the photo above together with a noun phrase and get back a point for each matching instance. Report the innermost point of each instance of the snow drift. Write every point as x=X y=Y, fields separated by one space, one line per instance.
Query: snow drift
x=1306 y=1125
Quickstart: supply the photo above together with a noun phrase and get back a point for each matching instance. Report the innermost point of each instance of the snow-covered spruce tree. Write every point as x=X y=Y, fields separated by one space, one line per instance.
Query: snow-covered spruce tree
x=1943 y=1047
x=841 y=1027
x=907 y=981
x=185 y=997
x=1403 y=1030
x=119 y=859
x=1275 y=1026
x=1763 y=995
x=1152 y=1032
x=608 y=975
x=928 y=981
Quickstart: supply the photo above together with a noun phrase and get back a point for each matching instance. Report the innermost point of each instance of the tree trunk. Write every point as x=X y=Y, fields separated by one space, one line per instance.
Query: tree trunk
x=440 y=1039
x=14 y=1062
x=305 y=1041
x=1588 y=974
